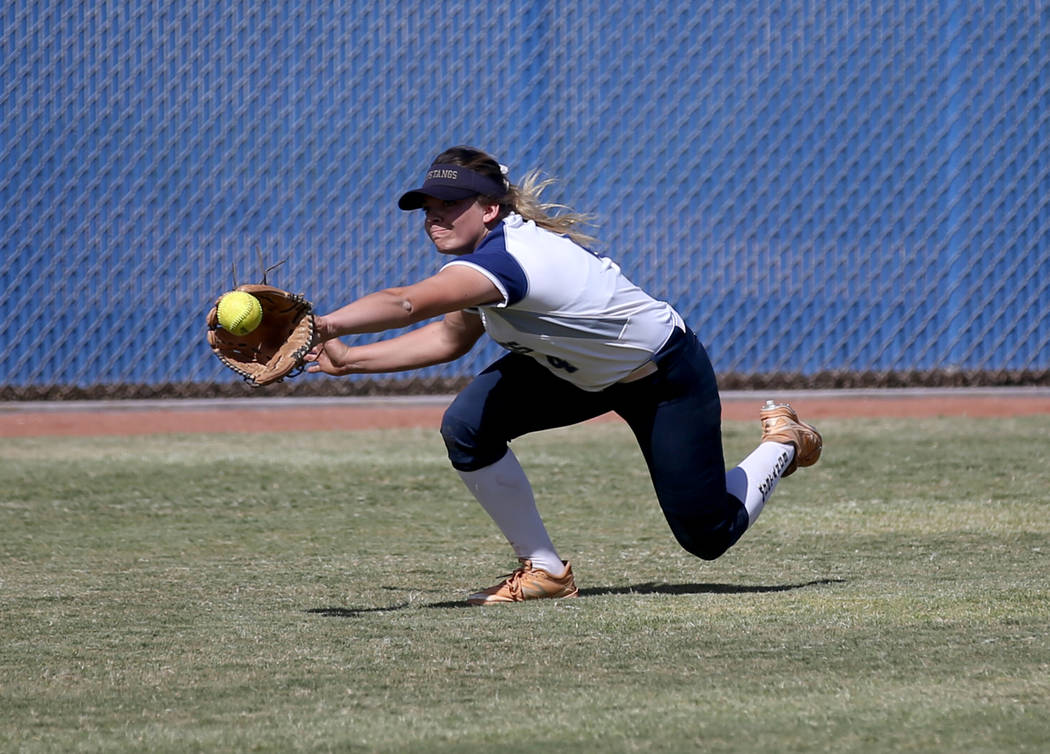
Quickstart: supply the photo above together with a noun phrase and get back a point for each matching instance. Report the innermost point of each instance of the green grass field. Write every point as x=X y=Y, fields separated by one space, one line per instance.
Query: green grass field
x=305 y=593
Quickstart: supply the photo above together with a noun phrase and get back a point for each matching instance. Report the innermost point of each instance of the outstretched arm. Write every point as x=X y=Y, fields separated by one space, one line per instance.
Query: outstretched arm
x=454 y=288
x=449 y=292
x=434 y=343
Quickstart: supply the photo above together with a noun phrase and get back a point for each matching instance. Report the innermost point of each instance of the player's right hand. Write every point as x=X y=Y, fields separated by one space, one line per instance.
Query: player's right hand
x=330 y=357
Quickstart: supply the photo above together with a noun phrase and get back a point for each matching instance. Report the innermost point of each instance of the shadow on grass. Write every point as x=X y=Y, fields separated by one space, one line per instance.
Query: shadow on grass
x=654 y=588
x=598 y=591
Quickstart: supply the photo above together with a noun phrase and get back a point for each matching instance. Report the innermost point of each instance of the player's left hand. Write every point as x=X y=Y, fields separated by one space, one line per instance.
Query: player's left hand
x=324 y=328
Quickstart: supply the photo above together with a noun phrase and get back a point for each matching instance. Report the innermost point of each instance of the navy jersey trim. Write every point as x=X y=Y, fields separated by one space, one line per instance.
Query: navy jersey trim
x=492 y=256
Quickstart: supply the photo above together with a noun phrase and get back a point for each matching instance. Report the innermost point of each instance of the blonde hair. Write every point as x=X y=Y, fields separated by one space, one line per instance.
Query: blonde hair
x=524 y=198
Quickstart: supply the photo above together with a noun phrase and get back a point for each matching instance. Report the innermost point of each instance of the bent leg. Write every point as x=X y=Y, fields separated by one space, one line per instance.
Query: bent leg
x=676 y=417
x=510 y=398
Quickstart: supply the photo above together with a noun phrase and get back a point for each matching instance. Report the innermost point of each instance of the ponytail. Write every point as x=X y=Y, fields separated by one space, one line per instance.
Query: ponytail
x=526 y=201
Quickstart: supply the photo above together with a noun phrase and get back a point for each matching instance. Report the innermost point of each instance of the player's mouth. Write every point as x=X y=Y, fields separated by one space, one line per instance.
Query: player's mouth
x=436 y=231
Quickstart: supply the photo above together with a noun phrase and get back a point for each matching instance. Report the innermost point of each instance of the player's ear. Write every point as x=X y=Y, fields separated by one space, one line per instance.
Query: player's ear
x=490 y=211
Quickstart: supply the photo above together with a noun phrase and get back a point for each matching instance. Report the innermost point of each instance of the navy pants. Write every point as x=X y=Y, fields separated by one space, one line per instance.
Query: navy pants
x=675 y=415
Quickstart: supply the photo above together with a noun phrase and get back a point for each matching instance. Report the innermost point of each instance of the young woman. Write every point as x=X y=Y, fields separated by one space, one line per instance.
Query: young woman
x=582 y=340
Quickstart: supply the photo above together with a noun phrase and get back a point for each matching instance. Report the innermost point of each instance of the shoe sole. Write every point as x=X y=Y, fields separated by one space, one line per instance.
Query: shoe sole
x=482 y=601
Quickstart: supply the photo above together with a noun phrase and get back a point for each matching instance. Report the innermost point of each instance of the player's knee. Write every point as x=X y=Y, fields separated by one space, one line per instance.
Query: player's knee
x=709 y=537
x=705 y=549
x=468 y=449
x=705 y=544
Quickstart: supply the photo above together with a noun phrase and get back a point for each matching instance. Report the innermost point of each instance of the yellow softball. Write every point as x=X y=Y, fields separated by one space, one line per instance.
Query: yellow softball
x=239 y=312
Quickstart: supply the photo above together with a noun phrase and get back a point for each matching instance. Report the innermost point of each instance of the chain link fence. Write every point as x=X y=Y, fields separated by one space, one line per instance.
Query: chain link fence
x=833 y=194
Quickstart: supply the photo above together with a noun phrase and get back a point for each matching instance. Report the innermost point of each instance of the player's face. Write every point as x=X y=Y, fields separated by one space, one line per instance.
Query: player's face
x=456 y=226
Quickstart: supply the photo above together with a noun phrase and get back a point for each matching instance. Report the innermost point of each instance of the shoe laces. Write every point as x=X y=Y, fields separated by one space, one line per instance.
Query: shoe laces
x=513 y=579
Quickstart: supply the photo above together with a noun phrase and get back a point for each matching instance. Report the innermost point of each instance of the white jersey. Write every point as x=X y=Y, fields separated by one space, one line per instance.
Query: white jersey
x=571 y=310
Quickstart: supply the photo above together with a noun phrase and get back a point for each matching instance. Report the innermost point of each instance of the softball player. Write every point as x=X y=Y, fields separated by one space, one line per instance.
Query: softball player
x=582 y=340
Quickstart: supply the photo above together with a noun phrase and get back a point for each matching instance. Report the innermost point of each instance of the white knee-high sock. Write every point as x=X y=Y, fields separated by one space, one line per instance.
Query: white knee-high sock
x=753 y=481
x=506 y=495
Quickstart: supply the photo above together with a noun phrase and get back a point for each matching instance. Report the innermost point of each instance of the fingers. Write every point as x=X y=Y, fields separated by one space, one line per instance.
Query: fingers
x=319 y=349
x=328 y=357
x=312 y=357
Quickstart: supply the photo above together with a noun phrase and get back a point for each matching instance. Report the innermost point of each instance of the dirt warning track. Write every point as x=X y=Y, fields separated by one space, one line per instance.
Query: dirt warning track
x=88 y=418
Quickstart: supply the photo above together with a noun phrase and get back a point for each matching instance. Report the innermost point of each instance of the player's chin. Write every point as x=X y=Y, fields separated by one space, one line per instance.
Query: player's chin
x=446 y=244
